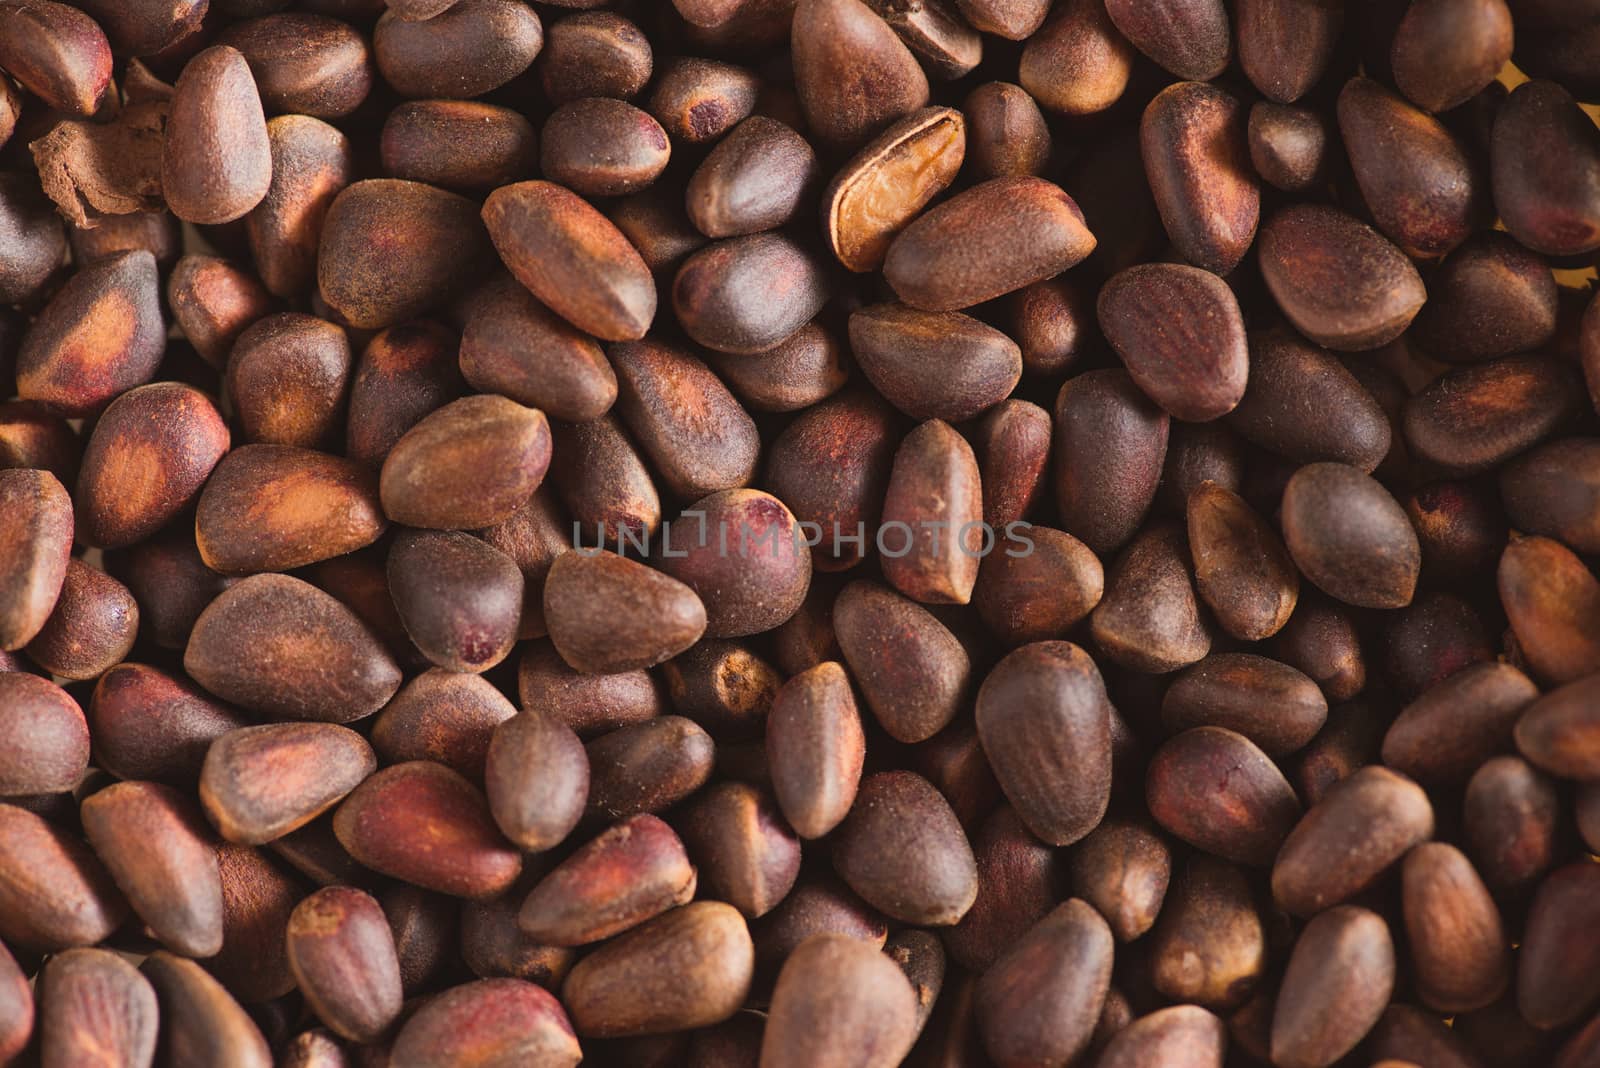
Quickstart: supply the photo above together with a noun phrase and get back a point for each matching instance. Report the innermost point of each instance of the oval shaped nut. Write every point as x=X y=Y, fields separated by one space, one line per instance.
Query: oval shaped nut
x=1474 y=418
x=572 y=258
x=747 y=854
x=55 y=893
x=515 y=346
x=604 y=483
x=985 y=242
x=1288 y=145
x=462 y=145
x=58 y=53
x=1460 y=951
x=44 y=739
x=391 y=250
x=1458 y=723
x=1552 y=601
x=1511 y=817
x=282 y=647
x=1560 y=731
x=1036 y=585
x=468 y=49
x=608 y=614
x=934 y=365
x=699 y=100
x=1077 y=63
x=420 y=801
x=279 y=507
x=699 y=438
x=260 y=783
x=1552 y=489
x=36 y=528
x=91 y=628
x=1209 y=945
x=743 y=553
x=1009 y=135
x=1285 y=45
x=1348 y=839
x=1340 y=282
x=1015 y=20
x=94 y=1005
x=600 y=147
x=888 y=182
x=630 y=873
x=214 y=300
x=1275 y=706
x=1197 y=160
x=201 y=1021
x=287 y=379
x=492 y=1021
x=459 y=598
x=1241 y=568
x=911 y=669
x=311 y=165
x=1189 y=38
x=748 y=294
x=594 y=54
x=1219 y=792
x=1414 y=176
x=589 y=704
x=36 y=240
x=1179 y=1036
x=1544 y=165
x=935 y=501
x=146 y=724
x=688 y=968
x=839 y=1001
x=753 y=180
x=468 y=465
x=815 y=749
x=902 y=849
x=1304 y=405
x=1445 y=52
x=1122 y=869
x=1350 y=537
x=100 y=335
x=1339 y=978
x=1039 y=1002
x=216 y=161
x=1556 y=965
x=1149 y=618
x=149 y=455
x=1110 y=447
x=1181 y=335
x=647 y=767
x=152 y=840
x=1045 y=723
x=343 y=956
x=853 y=75
x=305 y=64
x=536 y=777
x=445 y=716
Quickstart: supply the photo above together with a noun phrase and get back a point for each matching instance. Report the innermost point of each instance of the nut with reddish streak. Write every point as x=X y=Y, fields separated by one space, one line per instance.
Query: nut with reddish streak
x=504 y=1020
x=94 y=1005
x=260 y=783
x=443 y=716
x=343 y=956
x=459 y=597
x=1217 y=791
x=632 y=872
x=536 y=778
x=815 y=749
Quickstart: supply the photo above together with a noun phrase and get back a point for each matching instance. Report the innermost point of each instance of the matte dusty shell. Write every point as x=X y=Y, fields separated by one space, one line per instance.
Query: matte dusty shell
x=852 y=73
x=465 y=466
x=837 y=994
x=280 y=646
x=216 y=161
x=44 y=739
x=572 y=258
x=277 y=507
x=994 y=238
x=260 y=783
x=609 y=614
x=35 y=547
